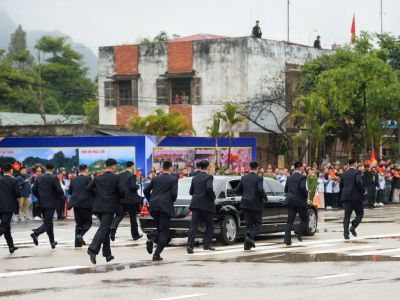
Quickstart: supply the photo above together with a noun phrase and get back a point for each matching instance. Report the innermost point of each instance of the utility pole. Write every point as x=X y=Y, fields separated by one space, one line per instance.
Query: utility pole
x=288 y=22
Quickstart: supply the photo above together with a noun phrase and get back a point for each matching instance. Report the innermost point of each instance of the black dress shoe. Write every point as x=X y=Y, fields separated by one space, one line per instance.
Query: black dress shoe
x=149 y=246
x=53 y=245
x=157 y=257
x=13 y=249
x=92 y=256
x=189 y=250
x=112 y=234
x=353 y=231
x=247 y=246
x=109 y=258
x=299 y=238
x=210 y=248
x=34 y=238
x=346 y=236
x=138 y=237
x=287 y=242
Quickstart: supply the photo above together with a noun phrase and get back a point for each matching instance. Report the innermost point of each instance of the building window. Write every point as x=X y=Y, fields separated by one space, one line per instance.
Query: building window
x=180 y=91
x=125 y=92
x=175 y=91
x=109 y=99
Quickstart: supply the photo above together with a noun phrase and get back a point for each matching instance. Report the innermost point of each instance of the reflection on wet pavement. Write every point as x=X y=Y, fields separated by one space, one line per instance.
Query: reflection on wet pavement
x=161 y=281
x=24 y=292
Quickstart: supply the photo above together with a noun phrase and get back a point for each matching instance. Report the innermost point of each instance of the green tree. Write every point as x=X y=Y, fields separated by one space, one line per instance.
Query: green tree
x=91 y=110
x=312 y=116
x=18 y=52
x=214 y=131
x=231 y=119
x=161 y=124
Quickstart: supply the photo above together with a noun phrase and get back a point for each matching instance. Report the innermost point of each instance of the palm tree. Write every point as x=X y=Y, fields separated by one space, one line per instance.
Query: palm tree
x=230 y=117
x=311 y=114
x=214 y=132
x=161 y=124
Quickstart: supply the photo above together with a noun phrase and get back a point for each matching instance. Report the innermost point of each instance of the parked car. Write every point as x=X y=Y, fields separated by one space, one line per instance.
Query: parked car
x=229 y=219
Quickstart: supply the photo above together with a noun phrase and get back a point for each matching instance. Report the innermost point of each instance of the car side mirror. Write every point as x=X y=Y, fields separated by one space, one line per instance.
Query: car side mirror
x=222 y=195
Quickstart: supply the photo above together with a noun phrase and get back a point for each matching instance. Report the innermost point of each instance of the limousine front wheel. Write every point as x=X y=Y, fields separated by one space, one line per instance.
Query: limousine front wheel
x=229 y=229
x=312 y=223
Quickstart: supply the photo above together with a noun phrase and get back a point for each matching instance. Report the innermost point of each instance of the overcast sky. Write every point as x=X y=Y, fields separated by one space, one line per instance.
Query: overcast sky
x=110 y=22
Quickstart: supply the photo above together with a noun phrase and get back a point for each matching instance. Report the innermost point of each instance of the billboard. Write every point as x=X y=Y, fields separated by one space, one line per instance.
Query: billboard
x=183 y=157
x=68 y=157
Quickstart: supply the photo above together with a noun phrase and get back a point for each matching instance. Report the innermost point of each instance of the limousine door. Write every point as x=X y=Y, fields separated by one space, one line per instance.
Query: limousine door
x=279 y=199
x=271 y=214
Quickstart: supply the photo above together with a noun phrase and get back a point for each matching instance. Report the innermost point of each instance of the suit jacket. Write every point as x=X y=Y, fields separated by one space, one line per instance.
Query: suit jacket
x=251 y=187
x=9 y=194
x=48 y=190
x=296 y=189
x=162 y=192
x=78 y=191
x=195 y=173
x=352 y=186
x=107 y=193
x=128 y=185
x=202 y=192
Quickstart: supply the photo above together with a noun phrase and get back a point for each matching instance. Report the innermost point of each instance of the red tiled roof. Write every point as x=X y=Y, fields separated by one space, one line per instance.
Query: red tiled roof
x=197 y=37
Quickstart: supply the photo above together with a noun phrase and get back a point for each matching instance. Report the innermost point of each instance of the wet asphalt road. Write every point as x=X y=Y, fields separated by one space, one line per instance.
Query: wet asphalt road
x=322 y=267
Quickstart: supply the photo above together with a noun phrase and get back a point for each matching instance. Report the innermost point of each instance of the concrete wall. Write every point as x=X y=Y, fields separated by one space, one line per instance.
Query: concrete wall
x=107 y=115
x=153 y=62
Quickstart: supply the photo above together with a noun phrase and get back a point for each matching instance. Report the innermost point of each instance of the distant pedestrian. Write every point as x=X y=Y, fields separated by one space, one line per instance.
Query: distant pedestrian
x=107 y=195
x=256 y=32
x=352 y=196
x=82 y=202
x=9 y=194
x=202 y=206
x=317 y=42
x=161 y=193
x=48 y=190
x=129 y=202
x=297 y=194
x=24 y=185
x=253 y=201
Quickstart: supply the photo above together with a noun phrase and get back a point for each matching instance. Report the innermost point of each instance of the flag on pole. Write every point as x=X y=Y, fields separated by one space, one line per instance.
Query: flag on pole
x=373 y=158
x=353 y=30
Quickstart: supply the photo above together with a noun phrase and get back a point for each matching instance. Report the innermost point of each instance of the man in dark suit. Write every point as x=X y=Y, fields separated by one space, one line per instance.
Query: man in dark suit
x=161 y=193
x=202 y=207
x=48 y=190
x=107 y=195
x=129 y=202
x=251 y=187
x=9 y=194
x=82 y=202
x=296 y=189
x=353 y=191
x=197 y=171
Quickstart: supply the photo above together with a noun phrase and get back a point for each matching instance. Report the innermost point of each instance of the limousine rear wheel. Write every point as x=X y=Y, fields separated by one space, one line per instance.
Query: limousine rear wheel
x=312 y=223
x=229 y=230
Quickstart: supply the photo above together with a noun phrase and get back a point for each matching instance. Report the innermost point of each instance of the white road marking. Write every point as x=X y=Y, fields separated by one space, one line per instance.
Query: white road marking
x=377 y=252
x=182 y=297
x=334 y=276
x=39 y=271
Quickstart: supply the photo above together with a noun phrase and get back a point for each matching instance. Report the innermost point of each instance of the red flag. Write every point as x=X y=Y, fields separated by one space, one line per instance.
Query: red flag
x=353 y=30
x=373 y=158
x=16 y=166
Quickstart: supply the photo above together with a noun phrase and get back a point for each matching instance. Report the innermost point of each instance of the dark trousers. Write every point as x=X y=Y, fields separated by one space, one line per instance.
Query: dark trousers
x=349 y=207
x=5 y=227
x=198 y=217
x=328 y=199
x=61 y=208
x=160 y=235
x=83 y=220
x=335 y=200
x=380 y=196
x=371 y=195
x=132 y=211
x=253 y=221
x=293 y=210
x=102 y=236
x=36 y=211
x=47 y=226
